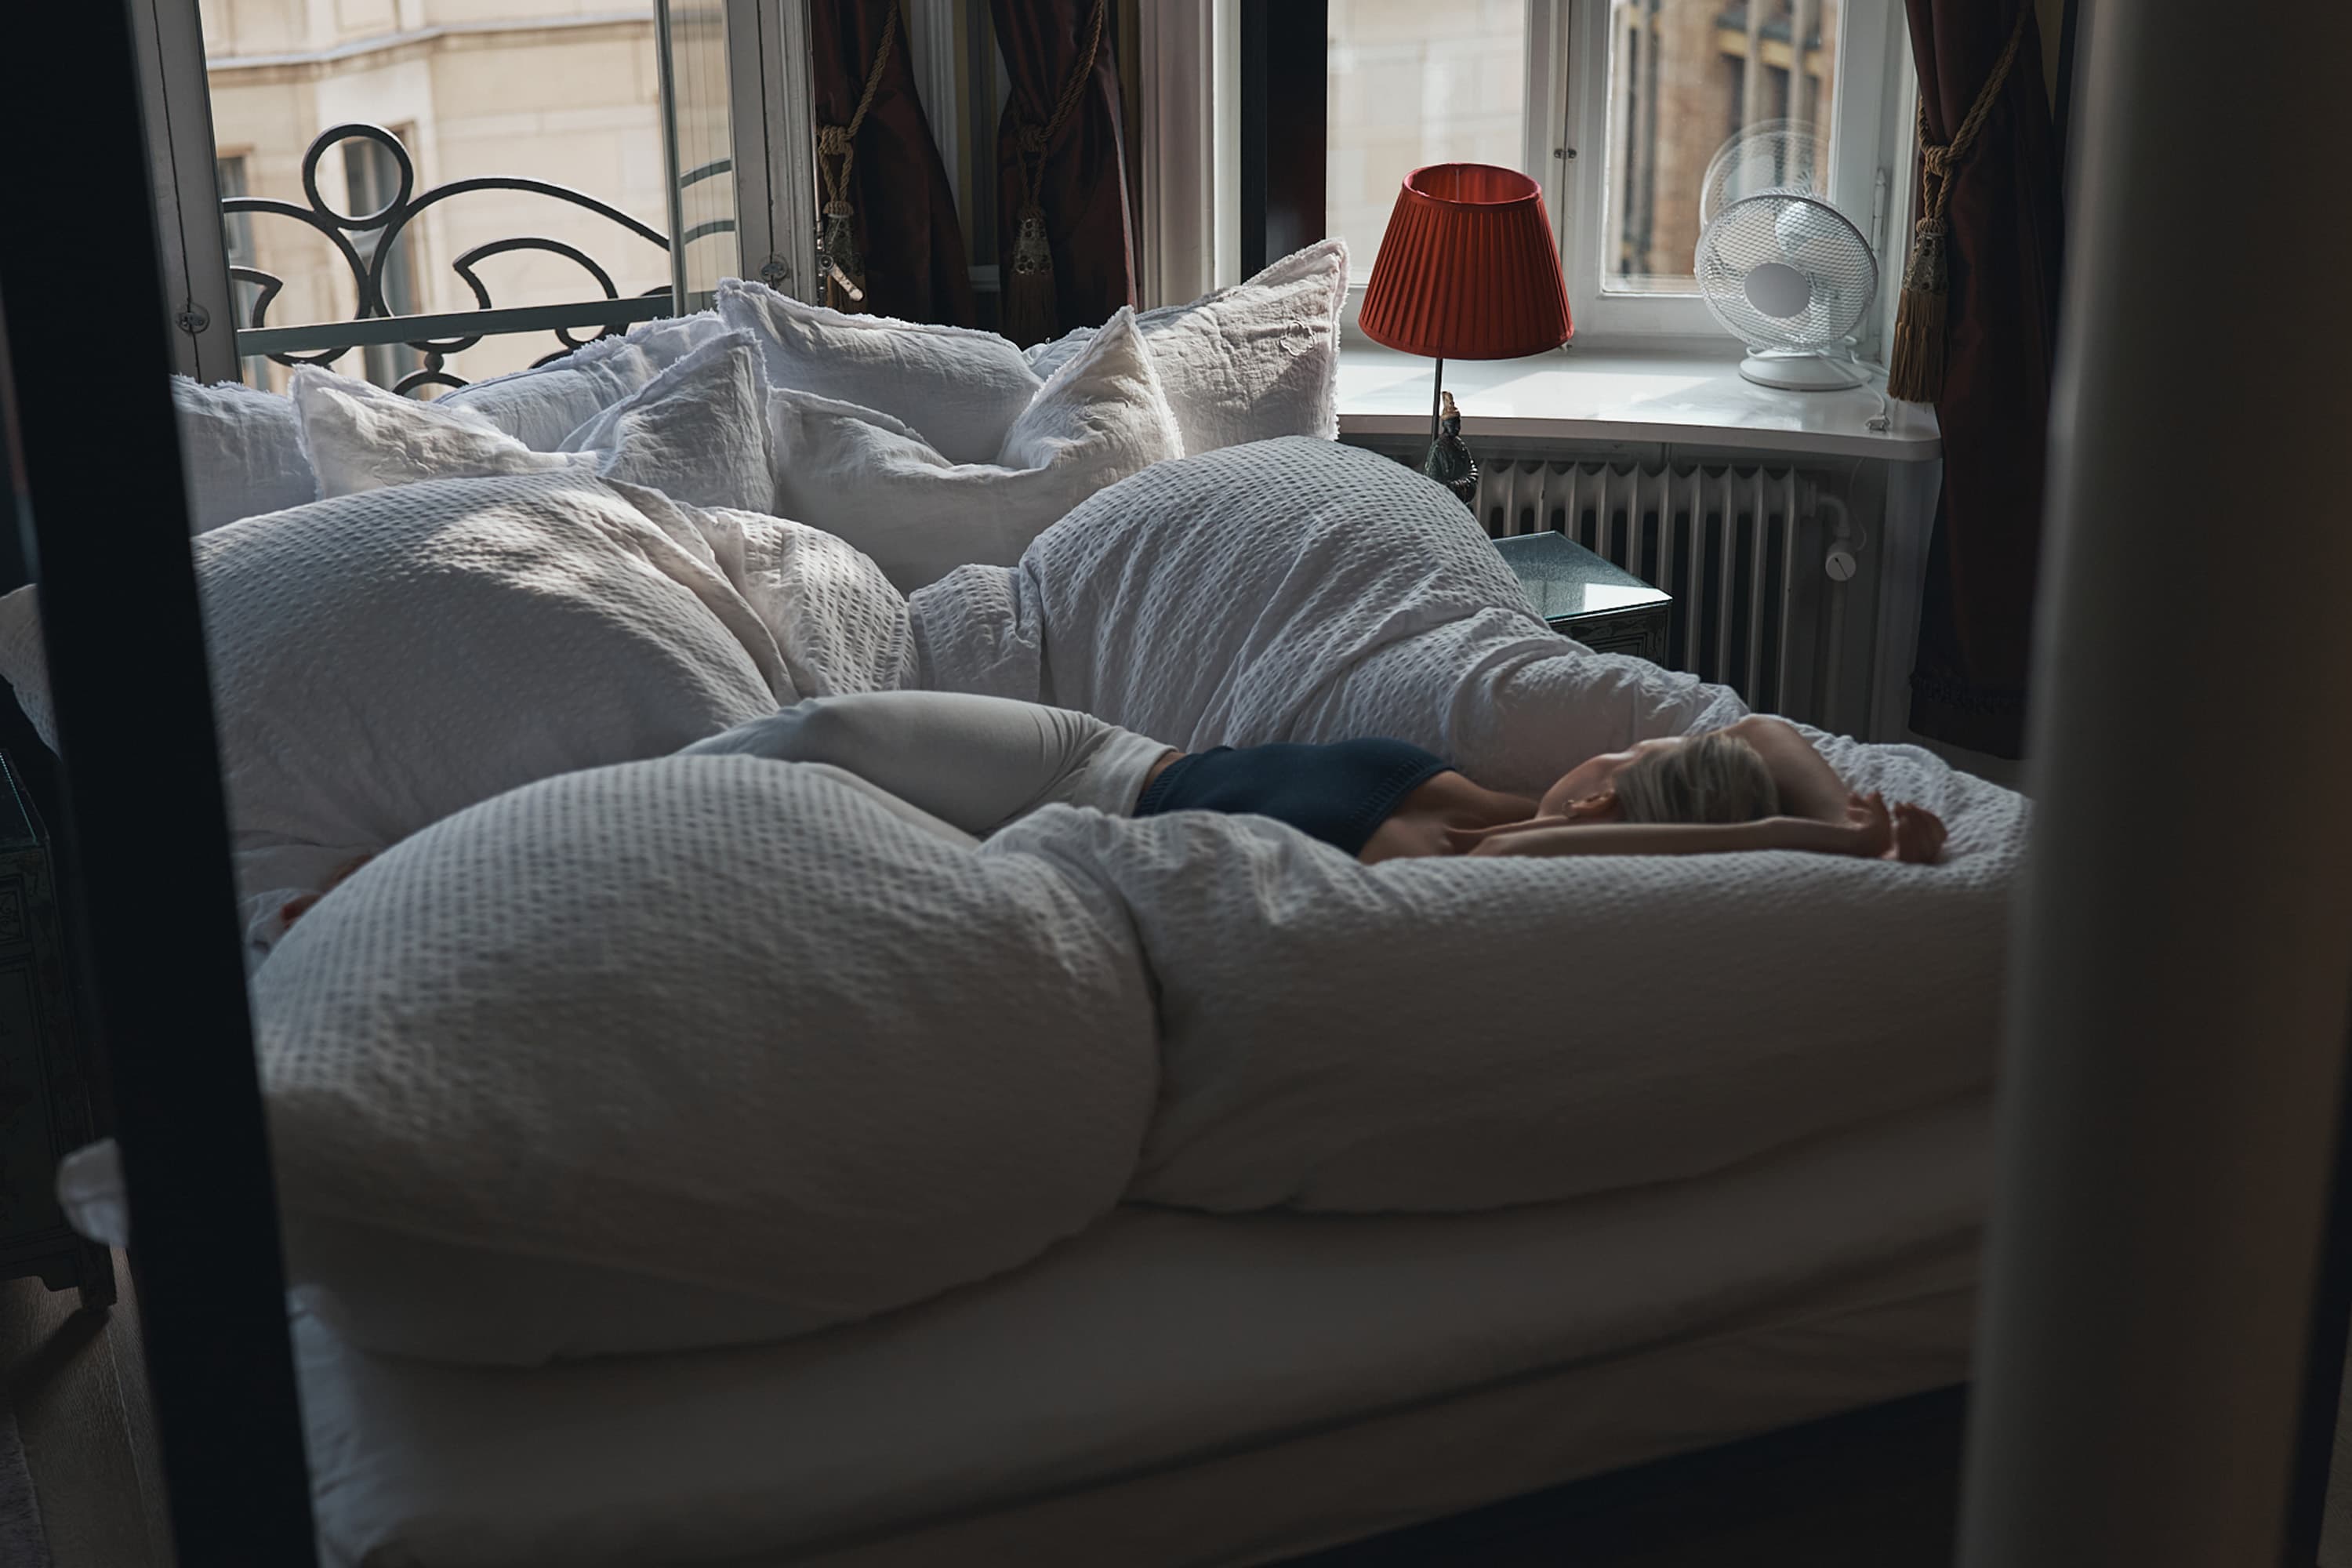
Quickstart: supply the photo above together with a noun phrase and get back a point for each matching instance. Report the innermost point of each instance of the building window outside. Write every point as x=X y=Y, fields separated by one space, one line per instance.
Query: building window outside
x=1681 y=72
x=543 y=90
x=372 y=177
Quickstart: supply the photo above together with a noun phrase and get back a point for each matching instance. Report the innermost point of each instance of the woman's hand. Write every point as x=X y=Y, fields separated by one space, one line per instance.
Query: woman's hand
x=1911 y=833
x=1918 y=835
x=1870 y=824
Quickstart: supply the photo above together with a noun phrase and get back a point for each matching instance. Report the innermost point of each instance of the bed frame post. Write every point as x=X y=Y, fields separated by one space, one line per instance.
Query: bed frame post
x=153 y=936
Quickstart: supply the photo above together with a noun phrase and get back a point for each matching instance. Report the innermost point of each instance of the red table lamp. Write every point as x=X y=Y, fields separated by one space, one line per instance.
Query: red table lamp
x=1469 y=269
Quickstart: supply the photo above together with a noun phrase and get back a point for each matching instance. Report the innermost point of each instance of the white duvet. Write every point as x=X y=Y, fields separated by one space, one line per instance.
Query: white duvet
x=1454 y=1034
x=1424 y=1035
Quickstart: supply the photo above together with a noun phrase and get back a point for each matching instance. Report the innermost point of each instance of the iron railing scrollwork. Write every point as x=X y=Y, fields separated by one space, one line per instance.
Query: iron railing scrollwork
x=367 y=242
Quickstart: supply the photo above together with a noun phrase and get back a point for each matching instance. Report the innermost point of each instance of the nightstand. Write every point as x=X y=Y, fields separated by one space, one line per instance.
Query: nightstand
x=1580 y=596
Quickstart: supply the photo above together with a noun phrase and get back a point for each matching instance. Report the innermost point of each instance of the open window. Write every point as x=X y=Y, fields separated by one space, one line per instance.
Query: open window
x=429 y=195
x=1615 y=107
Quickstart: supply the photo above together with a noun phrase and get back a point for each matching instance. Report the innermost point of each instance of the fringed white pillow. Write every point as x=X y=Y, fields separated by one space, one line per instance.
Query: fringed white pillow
x=875 y=482
x=243 y=450
x=698 y=432
x=542 y=406
x=1249 y=363
x=361 y=438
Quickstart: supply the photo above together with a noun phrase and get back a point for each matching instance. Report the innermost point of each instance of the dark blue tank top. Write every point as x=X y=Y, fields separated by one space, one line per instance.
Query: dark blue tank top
x=1339 y=792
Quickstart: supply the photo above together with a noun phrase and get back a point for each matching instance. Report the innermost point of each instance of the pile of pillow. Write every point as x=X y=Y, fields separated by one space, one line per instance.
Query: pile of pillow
x=383 y=658
x=925 y=447
x=595 y=546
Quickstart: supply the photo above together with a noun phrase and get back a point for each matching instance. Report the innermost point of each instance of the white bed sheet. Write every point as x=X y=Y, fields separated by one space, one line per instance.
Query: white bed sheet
x=1255 y=1384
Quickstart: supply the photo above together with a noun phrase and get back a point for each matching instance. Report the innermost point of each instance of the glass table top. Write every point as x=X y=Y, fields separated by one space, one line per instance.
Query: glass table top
x=1564 y=580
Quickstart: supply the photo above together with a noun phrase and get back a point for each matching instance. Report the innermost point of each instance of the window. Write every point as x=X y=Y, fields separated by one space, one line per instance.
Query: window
x=527 y=164
x=1413 y=84
x=1653 y=91
x=1616 y=107
x=1677 y=69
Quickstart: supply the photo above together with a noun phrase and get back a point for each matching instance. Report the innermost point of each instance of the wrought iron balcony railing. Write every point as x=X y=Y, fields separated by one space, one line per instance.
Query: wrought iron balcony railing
x=367 y=242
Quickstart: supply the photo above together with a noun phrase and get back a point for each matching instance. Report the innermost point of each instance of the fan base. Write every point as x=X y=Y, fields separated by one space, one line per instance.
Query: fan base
x=1802 y=372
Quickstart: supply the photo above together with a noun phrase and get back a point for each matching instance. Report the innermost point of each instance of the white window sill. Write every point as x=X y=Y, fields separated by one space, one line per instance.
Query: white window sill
x=1685 y=395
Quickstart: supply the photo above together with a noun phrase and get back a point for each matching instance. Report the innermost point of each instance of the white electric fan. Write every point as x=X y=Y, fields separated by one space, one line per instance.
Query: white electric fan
x=1771 y=155
x=1789 y=276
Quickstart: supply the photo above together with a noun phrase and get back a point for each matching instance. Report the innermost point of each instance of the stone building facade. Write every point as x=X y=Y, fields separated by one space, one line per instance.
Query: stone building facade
x=542 y=89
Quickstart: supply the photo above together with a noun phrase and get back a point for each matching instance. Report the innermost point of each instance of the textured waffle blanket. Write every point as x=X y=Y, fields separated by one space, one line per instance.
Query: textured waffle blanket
x=1454 y=1034
x=672 y=1008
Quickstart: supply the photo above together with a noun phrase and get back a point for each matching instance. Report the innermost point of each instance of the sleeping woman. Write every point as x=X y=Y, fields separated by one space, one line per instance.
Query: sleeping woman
x=978 y=763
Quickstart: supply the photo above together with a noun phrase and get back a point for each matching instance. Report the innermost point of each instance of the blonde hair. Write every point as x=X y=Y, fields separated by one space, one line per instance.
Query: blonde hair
x=1711 y=778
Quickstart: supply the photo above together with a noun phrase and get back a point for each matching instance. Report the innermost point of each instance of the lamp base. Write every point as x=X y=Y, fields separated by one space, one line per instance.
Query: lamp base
x=1801 y=372
x=1449 y=461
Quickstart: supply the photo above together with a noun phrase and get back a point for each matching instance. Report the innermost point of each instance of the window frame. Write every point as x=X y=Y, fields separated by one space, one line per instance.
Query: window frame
x=771 y=124
x=1868 y=129
x=1566 y=153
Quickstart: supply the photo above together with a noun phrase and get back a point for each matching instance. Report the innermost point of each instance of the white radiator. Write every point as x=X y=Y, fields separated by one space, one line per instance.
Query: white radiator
x=1759 y=561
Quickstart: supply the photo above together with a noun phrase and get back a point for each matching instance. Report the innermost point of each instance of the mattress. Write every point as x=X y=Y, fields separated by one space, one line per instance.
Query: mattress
x=1175 y=1388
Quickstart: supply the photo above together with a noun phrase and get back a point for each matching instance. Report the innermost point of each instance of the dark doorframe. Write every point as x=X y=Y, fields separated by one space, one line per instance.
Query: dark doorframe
x=2323 y=1378
x=94 y=465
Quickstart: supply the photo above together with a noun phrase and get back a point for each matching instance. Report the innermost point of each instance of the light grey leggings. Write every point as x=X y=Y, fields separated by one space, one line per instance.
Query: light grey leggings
x=974 y=762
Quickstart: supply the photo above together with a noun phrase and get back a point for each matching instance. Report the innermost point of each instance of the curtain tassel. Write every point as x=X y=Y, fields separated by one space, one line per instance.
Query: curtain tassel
x=1915 y=367
x=838 y=262
x=1031 y=314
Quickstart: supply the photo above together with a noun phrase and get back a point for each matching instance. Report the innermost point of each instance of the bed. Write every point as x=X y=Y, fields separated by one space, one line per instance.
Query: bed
x=1276 y=1276
x=1174 y=1388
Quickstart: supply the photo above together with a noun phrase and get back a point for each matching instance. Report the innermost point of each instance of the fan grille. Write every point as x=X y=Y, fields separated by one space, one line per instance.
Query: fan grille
x=1835 y=274
x=1772 y=155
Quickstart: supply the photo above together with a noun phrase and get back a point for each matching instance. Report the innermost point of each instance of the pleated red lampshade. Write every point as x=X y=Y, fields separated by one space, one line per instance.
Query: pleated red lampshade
x=1469 y=268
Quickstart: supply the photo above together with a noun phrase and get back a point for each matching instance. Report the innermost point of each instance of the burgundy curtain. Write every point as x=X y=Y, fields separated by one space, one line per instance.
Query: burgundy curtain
x=912 y=246
x=1968 y=682
x=1084 y=183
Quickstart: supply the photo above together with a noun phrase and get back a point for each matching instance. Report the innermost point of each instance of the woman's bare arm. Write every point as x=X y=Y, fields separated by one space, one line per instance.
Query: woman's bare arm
x=1681 y=838
x=1865 y=828
x=1809 y=786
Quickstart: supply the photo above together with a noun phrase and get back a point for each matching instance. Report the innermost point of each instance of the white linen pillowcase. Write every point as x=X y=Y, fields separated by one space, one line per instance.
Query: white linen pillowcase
x=360 y=436
x=698 y=432
x=875 y=482
x=542 y=406
x=1250 y=362
x=243 y=452
x=958 y=388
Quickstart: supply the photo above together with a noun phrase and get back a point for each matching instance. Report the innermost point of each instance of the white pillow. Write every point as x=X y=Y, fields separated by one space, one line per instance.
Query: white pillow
x=698 y=432
x=243 y=450
x=961 y=389
x=542 y=406
x=876 y=482
x=360 y=437
x=690 y=1051
x=1249 y=363
x=381 y=660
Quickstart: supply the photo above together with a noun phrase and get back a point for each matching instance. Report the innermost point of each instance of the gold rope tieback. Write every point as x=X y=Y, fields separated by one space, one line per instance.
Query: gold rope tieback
x=1032 y=313
x=1915 y=369
x=838 y=263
